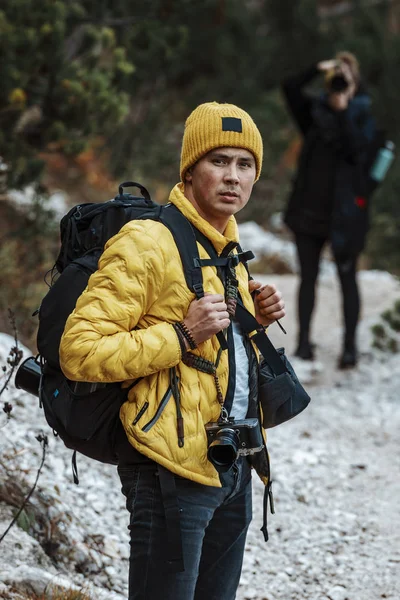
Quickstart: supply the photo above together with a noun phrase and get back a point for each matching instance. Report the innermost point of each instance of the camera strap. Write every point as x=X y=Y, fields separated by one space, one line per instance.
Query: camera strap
x=225 y=265
x=250 y=324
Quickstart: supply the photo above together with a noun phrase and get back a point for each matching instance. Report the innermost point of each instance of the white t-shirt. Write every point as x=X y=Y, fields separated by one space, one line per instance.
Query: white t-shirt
x=240 y=403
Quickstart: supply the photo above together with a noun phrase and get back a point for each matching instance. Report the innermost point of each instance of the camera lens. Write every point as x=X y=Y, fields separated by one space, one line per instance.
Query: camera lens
x=222 y=452
x=338 y=83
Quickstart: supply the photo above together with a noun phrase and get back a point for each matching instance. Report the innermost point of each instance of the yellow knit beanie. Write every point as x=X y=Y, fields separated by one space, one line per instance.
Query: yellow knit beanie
x=213 y=125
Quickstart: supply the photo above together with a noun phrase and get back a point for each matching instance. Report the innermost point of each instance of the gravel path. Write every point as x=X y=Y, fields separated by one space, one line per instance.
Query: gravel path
x=378 y=290
x=336 y=531
x=335 y=534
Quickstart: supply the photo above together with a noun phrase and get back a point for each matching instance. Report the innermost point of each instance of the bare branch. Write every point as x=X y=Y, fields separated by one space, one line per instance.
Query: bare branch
x=15 y=355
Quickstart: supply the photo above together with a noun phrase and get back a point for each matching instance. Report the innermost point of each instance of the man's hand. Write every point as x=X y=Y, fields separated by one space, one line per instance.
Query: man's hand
x=206 y=317
x=268 y=302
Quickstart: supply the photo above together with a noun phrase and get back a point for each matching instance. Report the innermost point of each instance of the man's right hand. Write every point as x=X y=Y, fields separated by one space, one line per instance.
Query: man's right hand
x=206 y=317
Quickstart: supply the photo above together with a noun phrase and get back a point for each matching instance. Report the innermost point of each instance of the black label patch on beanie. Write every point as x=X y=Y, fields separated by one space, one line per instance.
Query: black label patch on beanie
x=231 y=124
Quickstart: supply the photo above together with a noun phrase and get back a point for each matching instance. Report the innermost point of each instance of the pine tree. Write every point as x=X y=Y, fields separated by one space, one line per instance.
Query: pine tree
x=61 y=71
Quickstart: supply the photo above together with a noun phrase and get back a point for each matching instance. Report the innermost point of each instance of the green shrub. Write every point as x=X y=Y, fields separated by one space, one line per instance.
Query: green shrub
x=385 y=335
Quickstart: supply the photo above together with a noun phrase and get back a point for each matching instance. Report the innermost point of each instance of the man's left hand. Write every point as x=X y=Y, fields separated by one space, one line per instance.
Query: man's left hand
x=268 y=303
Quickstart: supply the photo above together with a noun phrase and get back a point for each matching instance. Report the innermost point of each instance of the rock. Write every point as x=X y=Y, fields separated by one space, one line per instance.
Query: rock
x=338 y=592
x=303 y=457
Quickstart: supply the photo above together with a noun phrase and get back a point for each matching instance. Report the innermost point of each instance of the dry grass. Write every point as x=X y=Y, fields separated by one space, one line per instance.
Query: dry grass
x=57 y=594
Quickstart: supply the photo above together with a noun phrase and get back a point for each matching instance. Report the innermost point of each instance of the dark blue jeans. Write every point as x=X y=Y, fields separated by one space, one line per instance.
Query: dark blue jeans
x=214 y=523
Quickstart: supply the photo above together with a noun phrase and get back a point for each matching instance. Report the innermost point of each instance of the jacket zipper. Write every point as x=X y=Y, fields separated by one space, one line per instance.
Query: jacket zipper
x=159 y=411
x=140 y=413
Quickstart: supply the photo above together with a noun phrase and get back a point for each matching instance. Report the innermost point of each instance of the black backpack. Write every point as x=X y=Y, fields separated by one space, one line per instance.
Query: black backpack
x=86 y=415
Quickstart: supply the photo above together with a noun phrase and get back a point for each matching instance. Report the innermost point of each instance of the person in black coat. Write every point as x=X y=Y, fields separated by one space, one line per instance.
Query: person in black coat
x=329 y=200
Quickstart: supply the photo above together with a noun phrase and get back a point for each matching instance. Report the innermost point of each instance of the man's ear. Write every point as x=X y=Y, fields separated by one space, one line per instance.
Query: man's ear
x=188 y=175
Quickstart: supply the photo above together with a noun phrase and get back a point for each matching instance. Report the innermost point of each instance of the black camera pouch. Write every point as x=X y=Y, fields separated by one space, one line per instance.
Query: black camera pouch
x=281 y=394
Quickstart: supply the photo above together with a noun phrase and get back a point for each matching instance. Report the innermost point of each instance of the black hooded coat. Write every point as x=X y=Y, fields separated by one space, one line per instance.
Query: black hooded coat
x=330 y=196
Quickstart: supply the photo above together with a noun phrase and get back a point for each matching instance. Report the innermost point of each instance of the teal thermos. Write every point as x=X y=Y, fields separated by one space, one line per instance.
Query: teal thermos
x=383 y=160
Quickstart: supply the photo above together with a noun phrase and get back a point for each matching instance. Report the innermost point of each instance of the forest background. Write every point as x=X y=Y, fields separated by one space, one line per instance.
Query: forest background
x=93 y=93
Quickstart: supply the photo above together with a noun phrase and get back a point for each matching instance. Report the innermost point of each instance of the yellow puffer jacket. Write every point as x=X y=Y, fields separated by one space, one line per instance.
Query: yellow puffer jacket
x=121 y=329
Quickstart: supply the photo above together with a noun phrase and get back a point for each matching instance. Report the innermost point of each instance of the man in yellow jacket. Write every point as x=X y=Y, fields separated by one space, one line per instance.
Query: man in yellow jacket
x=137 y=320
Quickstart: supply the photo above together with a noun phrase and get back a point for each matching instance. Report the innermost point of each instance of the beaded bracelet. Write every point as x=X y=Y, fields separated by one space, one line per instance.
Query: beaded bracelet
x=188 y=334
x=181 y=339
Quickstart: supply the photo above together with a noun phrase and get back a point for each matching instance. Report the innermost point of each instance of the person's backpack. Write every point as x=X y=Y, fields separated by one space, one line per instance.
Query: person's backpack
x=86 y=415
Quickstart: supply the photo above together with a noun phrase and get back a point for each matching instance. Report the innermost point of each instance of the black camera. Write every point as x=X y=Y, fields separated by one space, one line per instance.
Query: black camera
x=28 y=376
x=338 y=83
x=227 y=439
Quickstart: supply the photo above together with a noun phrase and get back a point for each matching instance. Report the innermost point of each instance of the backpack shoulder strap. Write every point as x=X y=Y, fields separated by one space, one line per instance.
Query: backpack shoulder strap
x=185 y=239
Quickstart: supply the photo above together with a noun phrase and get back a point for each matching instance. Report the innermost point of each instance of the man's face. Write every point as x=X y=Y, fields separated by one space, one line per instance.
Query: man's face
x=220 y=184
